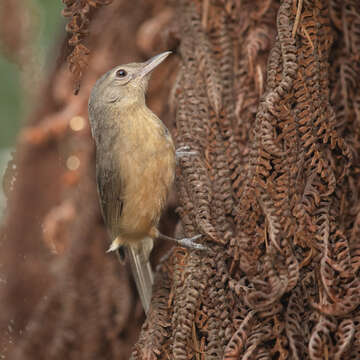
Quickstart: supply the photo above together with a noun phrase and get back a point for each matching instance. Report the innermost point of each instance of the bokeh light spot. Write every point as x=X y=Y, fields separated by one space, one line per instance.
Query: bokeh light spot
x=77 y=123
x=73 y=162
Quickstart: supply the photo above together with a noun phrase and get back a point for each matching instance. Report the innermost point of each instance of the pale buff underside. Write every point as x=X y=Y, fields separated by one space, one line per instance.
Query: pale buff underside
x=146 y=158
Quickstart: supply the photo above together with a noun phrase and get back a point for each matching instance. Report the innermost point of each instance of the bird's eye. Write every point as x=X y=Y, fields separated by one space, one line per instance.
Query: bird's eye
x=121 y=73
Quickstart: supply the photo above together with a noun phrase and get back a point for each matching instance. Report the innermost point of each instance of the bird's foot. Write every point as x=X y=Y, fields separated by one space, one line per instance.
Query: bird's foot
x=185 y=151
x=189 y=243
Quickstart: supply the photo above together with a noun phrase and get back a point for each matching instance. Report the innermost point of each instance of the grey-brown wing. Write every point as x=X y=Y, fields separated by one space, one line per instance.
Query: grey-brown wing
x=109 y=186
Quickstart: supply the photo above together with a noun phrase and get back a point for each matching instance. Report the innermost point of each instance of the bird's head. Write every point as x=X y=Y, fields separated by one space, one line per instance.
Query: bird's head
x=125 y=84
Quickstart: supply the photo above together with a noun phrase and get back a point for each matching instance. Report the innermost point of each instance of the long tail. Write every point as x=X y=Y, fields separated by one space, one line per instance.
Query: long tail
x=140 y=265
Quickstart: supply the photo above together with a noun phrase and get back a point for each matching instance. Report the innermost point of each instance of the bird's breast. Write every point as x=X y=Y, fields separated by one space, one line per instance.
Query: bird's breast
x=146 y=157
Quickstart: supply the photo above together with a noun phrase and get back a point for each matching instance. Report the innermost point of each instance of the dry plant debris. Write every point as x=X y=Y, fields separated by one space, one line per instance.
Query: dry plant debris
x=273 y=187
x=79 y=12
x=267 y=93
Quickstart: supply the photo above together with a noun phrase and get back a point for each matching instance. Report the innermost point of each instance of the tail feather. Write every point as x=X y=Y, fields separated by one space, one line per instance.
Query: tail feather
x=140 y=265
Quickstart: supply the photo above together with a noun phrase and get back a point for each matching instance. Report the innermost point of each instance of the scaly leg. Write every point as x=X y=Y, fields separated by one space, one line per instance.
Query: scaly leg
x=184 y=151
x=189 y=243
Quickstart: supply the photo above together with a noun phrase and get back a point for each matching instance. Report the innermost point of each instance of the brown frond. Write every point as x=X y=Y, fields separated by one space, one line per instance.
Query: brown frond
x=266 y=95
x=79 y=12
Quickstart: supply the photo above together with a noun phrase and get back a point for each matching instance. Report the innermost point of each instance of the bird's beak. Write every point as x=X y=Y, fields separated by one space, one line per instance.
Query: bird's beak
x=153 y=62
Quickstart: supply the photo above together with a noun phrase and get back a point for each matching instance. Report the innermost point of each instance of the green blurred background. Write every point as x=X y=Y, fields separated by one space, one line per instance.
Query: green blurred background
x=14 y=108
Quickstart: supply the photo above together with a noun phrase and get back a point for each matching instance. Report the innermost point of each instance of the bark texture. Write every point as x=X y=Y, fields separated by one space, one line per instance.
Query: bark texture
x=267 y=93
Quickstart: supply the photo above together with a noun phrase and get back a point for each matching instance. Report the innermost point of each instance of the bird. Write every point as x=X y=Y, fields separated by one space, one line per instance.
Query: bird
x=135 y=166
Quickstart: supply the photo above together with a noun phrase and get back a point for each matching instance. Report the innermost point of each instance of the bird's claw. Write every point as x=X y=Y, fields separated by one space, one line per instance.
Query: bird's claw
x=191 y=243
x=185 y=151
